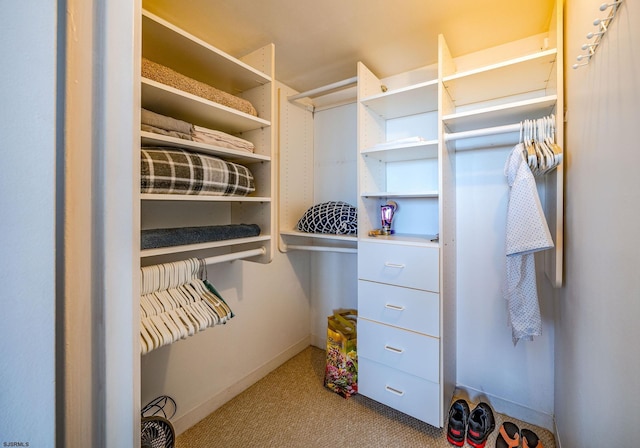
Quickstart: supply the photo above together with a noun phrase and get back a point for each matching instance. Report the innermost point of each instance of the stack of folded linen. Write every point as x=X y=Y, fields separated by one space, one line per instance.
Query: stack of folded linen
x=218 y=138
x=161 y=124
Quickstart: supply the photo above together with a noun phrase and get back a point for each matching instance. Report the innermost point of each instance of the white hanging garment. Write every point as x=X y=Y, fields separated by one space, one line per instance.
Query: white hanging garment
x=527 y=232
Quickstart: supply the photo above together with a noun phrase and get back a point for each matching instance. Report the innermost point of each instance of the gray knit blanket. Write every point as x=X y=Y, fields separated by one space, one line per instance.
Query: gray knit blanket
x=155 y=238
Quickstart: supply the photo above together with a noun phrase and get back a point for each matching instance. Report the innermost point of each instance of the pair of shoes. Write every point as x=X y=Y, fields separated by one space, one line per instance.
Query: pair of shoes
x=458 y=418
x=509 y=437
x=477 y=424
x=481 y=424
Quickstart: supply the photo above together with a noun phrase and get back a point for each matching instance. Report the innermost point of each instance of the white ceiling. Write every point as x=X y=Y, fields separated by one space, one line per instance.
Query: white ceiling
x=318 y=42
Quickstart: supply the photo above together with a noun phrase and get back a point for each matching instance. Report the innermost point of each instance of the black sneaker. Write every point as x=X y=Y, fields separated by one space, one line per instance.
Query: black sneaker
x=481 y=424
x=458 y=417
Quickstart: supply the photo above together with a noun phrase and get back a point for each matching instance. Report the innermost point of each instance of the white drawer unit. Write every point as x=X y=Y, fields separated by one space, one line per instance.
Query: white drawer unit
x=411 y=266
x=404 y=350
x=399 y=334
x=408 y=308
x=407 y=393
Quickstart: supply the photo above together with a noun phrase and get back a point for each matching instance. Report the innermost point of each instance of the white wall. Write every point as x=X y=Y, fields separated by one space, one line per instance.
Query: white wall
x=516 y=380
x=27 y=241
x=334 y=276
x=271 y=324
x=597 y=383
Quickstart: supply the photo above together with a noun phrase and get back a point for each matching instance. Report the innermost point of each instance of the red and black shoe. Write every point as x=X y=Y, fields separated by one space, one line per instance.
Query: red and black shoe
x=458 y=417
x=481 y=424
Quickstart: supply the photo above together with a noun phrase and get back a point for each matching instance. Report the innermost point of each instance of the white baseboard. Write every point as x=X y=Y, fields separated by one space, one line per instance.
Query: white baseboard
x=509 y=408
x=319 y=341
x=556 y=434
x=195 y=415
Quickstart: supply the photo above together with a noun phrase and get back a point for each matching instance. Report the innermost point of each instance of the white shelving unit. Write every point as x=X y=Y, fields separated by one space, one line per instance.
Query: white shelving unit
x=296 y=177
x=413 y=272
x=385 y=172
x=527 y=85
x=402 y=152
x=250 y=77
x=399 y=274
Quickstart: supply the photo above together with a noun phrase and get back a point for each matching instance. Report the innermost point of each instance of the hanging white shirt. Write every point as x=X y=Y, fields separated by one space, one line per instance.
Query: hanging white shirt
x=527 y=232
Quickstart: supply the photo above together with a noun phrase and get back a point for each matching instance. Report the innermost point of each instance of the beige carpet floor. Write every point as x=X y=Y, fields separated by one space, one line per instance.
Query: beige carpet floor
x=290 y=408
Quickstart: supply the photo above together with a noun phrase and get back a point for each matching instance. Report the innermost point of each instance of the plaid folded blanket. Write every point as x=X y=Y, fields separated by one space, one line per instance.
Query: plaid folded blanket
x=175 y=171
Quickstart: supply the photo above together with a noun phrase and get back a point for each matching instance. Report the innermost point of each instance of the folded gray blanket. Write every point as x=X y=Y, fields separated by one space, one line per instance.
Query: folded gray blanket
x=176 y=171
x=155 y=238
x=155 y=120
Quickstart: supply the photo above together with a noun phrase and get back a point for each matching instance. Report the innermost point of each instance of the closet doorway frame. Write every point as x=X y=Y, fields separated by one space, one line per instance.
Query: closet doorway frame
x=97 y=261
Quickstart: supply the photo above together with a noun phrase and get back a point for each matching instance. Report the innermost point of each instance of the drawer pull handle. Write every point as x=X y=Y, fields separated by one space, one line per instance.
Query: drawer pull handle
x=393 y=265
x=397 y=392
x=393 y=349
x=394 y=307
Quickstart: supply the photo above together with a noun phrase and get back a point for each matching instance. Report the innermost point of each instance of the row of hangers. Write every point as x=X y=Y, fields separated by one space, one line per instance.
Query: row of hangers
x=540 y=150
x=176 y=301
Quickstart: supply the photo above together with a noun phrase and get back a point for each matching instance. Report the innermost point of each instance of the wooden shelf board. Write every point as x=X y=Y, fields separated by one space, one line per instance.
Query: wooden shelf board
x=387 y=194
x=504 y=79
x=500 y=115
x=200 y=198
x=193 y=247
x=238 y=156
x=166 y=44
x=400 y=238
x=319 y=236
x=402 y=152
x=174 y=103
x=415 y=99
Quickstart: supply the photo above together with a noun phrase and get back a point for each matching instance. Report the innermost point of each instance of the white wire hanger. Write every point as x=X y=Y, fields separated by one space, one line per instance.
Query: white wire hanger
x=540 y=150
x=176 y=301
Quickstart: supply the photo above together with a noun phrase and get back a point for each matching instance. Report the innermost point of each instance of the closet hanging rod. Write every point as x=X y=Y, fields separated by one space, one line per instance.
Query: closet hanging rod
x=449 y=136
x=328 y=87
x=235 y=256
x=348 y=250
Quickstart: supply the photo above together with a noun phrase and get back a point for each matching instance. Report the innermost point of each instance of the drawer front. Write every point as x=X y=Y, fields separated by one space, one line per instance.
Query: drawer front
x=412 y=309
x=414 y=396
x=397 y=264
x=403 y=350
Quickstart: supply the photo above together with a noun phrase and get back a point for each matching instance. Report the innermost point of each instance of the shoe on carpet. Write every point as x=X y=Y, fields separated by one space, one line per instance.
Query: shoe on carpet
x=458 y=417
x=530 y=439
x=481 y=424
x=509 y=436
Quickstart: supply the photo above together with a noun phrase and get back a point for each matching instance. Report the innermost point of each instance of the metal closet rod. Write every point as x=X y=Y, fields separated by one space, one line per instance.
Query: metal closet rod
x=328 y=87
x=348 y=250
x=235 y=256
x=449 y=136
